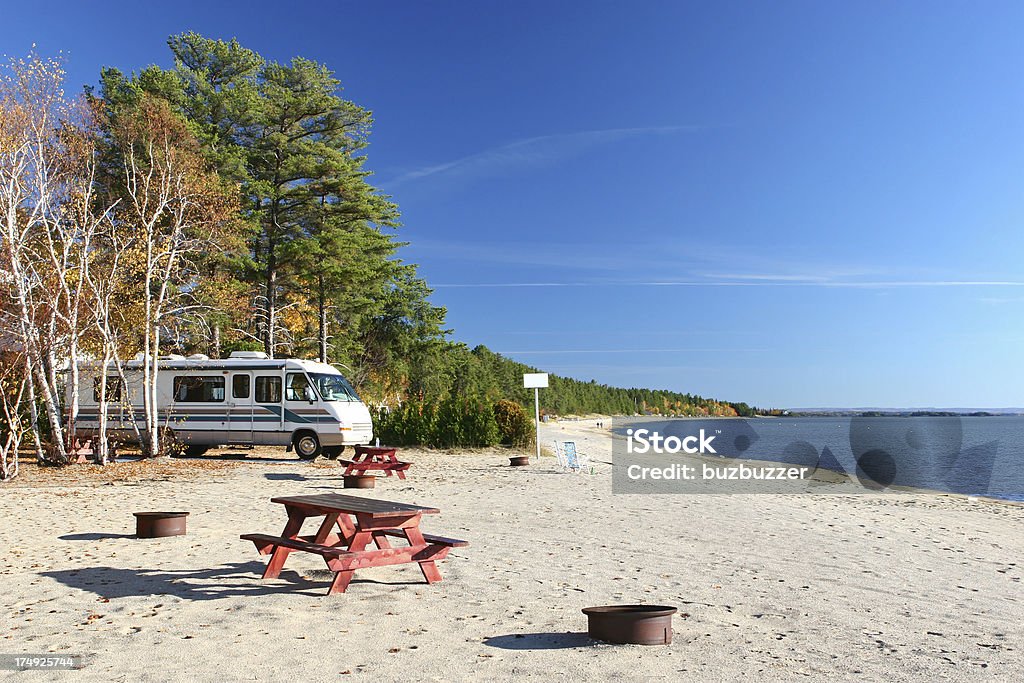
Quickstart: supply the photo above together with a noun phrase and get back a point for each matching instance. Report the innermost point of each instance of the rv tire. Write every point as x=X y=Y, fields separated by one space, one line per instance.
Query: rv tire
x=307 y=445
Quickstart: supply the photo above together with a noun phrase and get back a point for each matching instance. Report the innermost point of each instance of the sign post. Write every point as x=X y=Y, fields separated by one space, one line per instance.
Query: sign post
x=536 y=381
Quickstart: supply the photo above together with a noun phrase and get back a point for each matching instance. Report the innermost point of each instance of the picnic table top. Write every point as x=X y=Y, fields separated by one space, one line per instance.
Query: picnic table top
x=382 y=453
x=336 y=502
x=376 y=450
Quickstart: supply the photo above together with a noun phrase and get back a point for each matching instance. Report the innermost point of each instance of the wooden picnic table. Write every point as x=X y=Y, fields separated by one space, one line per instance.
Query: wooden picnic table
x=382 y=458
x=350 y=524
x=83 y=451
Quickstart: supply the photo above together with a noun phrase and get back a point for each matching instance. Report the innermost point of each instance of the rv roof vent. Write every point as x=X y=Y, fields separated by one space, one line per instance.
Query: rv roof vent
x=251 y=355
x=199 y=356
x=174 y=356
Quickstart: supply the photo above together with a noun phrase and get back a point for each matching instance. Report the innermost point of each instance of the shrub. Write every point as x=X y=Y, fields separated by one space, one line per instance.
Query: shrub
x=478 y=425
x=453 y=422
x=514 y=425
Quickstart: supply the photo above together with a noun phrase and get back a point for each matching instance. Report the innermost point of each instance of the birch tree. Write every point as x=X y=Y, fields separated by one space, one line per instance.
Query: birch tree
x=13 y=413
x=45 y=245
x=172 y=207
x=12 y=400
x=106 y=280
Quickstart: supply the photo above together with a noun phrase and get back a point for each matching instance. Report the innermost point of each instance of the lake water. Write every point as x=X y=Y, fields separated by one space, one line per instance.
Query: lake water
x=969 y=455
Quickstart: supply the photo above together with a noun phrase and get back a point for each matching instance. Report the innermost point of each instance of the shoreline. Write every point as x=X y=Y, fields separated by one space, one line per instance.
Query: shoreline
x=766 y=462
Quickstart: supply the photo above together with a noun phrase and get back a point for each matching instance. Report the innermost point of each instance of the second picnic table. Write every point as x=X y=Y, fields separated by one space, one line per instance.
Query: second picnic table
x=382 y=458
x=359 y=522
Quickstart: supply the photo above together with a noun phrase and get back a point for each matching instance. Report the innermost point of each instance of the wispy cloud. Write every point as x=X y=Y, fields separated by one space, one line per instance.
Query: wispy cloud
x=689 y=262
x=674 y=258
x=873 y=284
x=671 y=258
x=762 y=277
x=889 y=284
x=558 y=352
x=541 y=254
x=535 y=151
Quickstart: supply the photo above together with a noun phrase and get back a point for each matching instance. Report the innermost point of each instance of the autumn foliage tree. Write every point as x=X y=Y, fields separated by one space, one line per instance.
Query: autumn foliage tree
x=170 y=208
x=105 y=217
x=46 y=237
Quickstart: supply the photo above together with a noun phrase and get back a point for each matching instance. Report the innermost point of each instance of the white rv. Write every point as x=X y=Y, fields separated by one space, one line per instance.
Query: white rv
x=245 y=399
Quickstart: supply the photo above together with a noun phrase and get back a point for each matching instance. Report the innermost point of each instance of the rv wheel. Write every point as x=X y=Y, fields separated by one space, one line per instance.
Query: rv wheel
x=307 y=445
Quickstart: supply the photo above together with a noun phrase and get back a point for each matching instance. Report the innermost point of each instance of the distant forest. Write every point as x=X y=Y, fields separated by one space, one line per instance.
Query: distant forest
x=482 y=371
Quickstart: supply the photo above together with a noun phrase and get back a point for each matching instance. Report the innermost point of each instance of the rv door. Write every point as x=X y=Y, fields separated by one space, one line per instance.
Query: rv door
x=240 y=408
x=268 y=413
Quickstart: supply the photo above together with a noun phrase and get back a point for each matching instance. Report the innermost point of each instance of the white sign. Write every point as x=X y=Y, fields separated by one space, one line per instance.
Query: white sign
x=535 y=380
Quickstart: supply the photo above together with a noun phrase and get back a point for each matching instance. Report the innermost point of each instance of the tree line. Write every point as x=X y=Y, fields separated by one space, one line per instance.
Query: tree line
x=221 y=204
x=482 y=372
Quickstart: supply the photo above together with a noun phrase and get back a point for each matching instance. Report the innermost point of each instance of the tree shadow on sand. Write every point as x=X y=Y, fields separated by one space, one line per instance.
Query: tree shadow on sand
x=235 y=579
x=540 y=641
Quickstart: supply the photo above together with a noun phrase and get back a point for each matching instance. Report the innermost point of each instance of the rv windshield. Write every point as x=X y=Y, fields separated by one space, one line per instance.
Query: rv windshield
x=334 y=387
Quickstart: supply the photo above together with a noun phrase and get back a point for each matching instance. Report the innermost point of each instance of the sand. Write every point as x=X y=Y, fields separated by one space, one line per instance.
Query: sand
x=769 y=587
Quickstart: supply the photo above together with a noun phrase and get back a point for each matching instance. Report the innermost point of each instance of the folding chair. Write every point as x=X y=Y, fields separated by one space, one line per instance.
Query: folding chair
x=568 y=457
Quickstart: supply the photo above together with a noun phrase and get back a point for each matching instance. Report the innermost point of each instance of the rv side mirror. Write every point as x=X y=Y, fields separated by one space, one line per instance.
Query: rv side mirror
x=310 y=395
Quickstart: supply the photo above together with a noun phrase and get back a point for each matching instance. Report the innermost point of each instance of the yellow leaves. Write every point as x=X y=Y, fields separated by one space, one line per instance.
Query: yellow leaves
x=32 y=86
x=296 y=316
x=171 y=193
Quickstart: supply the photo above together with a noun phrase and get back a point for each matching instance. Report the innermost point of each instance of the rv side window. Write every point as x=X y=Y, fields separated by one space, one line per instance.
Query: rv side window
x=198 y=389
x=240 y=386
x=113 y=389
x=297 y=388
x=268 y=389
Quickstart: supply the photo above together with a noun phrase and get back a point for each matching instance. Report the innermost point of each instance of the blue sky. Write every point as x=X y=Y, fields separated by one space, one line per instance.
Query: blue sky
x=789 y=204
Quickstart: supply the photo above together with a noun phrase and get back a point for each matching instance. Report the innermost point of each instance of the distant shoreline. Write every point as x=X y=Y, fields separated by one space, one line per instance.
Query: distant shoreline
x=580 y=428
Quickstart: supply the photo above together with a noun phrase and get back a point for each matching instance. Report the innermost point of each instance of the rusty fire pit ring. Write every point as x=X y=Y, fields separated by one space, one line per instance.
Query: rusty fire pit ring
x=630 y=624
x=360 y=481
x=159 y=524
x=519 y=460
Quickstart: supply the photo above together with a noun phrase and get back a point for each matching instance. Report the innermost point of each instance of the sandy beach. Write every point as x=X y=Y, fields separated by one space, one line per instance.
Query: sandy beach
x=813 y=587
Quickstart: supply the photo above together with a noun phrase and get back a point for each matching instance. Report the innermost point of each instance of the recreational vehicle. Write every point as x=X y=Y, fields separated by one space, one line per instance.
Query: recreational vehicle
x=243 y=400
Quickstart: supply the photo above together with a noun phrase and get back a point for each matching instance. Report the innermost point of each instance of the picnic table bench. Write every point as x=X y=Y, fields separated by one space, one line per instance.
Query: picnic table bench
x=381 y=458
x=350 y=524
x=84 y=451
